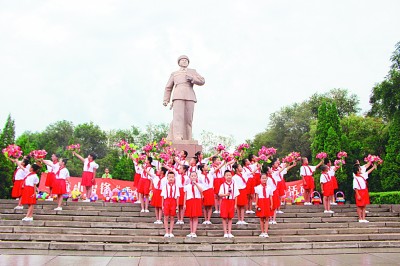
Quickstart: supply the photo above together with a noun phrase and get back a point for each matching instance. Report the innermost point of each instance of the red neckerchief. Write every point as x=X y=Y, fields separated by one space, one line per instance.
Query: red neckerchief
x=171 y=196
x=229 y=186
x=159 y=183
x=216 y=171
x=59 y=169
x=241 y=176
x=194 y=195
x=88 y=165
x=183 y=179
x=206 y=178
x=192 y=169
x=264 y=189
x=273 y=180
x=279 y=173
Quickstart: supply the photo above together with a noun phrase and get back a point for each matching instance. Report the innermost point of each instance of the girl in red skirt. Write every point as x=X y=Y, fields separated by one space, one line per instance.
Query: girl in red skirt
x=192 y=203
x=89 y=173
x=240 y=179
x=206 y=180
x=361 y=191
x=52 y=169
x=264 y=204
x=228 y=192
x=159 y=181
x=170 y=198
x=18 y=180
x=250 y=169
x=60 y=183
x=326 y=188
x=29 y=191
x=138 y=173
x=181 y=180
x=144 y=184
x=306 y=172
x=331 y=172
x=218 y=179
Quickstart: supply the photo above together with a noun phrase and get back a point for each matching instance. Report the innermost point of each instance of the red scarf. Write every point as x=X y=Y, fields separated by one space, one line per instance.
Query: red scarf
x=241 y=176
x=207 y=180
x=171 y=196
x=59 y=169
x=88 y=165
x=264 y=186
x=27 y=177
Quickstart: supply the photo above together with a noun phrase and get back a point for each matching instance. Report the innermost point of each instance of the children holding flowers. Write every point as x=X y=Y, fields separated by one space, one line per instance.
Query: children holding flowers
x=192 y=202
x=89 y=172
x=29 y=191
x=360 y=187
x=306 y=172
x=170 y=198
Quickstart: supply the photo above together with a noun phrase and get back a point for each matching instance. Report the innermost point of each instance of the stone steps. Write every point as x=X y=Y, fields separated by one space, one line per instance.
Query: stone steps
x=121 y=226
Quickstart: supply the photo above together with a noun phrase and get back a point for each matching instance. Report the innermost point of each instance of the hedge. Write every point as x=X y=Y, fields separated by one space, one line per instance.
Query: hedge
x=392 y=197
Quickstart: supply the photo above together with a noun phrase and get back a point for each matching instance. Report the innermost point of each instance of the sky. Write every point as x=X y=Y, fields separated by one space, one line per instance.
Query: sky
x=109 y=61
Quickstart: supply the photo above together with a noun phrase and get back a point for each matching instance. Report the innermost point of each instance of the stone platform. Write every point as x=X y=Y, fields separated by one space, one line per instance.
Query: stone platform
x=102 y=226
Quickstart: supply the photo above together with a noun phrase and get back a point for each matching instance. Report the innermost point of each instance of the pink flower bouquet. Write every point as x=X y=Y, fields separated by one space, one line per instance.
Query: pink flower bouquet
x=339 y=163
x=342 y=155
x=220 y=148
x=13 y=151
x=263 y=159
x=321 y=155
x=38 y=154
x=164 y=157
x=373 y=159
x=151 y=147
x=243 y=147
x=74 y=147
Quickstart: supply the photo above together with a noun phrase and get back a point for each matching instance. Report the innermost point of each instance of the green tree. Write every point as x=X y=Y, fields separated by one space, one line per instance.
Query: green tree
x=91 y=138
x=7 y=137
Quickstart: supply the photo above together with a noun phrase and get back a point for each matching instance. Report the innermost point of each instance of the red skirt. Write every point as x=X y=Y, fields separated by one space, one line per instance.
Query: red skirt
x=281 y=187
x=227 y=208
x=217 y=184
x=364 y=198
x=208 y=197
x=169 y=207
x=17 y=189
x=242 y=198
x=193 y=208
x=257 y=179
x=156 y=200
x=144 y=186
x=334 y=182
x=250 y=185
x=136 y=180
x=328 y=189
x=181 y=196
x=87 y=179
x=59 y=187
x=265 y=208
x=28 y=195
x=50 y=178
x=276 y=202
x=309 y=182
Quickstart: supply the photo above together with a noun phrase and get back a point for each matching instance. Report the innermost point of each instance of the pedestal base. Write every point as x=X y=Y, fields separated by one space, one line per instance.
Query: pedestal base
x=191 y=146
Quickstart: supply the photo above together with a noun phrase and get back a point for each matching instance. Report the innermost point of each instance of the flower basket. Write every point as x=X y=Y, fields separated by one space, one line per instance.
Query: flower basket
x=339 y=198
x=289 y=200
x=299 y=200
x=316 y=198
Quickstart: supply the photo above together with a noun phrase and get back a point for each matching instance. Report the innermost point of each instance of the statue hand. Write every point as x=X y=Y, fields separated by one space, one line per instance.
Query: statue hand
x=189 y=78
x=165 y=103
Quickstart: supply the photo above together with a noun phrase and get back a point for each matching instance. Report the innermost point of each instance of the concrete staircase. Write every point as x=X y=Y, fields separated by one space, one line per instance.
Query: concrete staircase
x=102 y=226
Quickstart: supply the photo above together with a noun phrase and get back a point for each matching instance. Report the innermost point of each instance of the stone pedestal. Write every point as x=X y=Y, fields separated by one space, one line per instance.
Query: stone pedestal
x=191 y=146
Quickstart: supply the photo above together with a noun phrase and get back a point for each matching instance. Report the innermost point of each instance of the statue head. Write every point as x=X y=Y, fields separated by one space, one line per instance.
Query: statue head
x=184 y=63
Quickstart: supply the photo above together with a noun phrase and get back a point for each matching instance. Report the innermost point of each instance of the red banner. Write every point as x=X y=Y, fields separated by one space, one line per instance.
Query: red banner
x=102 y=185
x=294 y=188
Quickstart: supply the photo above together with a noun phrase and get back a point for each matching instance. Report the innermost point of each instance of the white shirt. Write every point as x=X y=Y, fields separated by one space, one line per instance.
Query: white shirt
x=93 y=165
x=271 y=183
x=138 y=169
x=278 y=176
x=216 y=173
x=20 y=174
x=331 y=171
x=193 y=169
x=166 y=191
x=240 y=182
x=204 y=184
x=225 y=189
x=254 y=167
x=53 y=167
x=363 y=169
x=325 y=178
x=361 y=184
x=259 y=191
x=144 y=173
x=248 y=170
x=189 y=192
x=307 y=170
x=64 y=174
x=32 y=180
x=158 y=182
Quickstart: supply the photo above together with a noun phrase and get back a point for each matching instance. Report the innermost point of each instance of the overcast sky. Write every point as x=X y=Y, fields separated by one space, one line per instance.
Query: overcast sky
x=109 y=61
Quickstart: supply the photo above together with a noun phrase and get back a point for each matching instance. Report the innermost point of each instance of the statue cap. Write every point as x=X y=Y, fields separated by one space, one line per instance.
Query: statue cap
x=183 y=57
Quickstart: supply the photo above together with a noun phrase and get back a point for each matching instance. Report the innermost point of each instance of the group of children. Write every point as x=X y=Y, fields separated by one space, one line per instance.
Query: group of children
x=192 y=188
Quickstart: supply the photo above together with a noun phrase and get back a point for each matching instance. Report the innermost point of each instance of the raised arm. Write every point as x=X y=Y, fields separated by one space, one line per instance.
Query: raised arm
x=78 y=156
x=320 y=163
x=372 y=169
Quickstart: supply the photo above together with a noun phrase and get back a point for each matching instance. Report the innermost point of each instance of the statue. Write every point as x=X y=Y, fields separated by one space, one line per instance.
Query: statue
x=183 y=100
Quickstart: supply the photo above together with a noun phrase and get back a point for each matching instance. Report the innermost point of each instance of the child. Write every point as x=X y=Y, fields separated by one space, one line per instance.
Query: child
x=331 y=172
x=240 y=179
x=89 y=173
x=18 y=179
x=218 y=179
x=192 y=203
x=52 y=168
x=206 y=180
x=181 y=180
x=59 y=183
x=326 y=188
x=264 y=204
x=144 y=184
x=170 y=197
x=250 y=170
x=29 y=191
x=158 y=182
x=228 y=192
x=138 y=172
x=306 y=172
x=278 y=173
x=361 y=191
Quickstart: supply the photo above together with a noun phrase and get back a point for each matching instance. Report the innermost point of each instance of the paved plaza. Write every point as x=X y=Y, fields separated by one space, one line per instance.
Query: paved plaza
x=371 y=256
